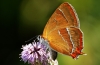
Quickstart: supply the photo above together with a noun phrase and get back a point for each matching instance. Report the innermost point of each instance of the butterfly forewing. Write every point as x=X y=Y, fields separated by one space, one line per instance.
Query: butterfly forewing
x=59 y=31
x=64 y=16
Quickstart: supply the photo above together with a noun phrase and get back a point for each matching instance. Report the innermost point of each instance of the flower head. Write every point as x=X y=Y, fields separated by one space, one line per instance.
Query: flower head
x=36 y=53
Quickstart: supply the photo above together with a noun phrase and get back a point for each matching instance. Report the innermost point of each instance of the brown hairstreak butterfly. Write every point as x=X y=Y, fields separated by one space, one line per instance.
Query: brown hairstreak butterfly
x=63 y=32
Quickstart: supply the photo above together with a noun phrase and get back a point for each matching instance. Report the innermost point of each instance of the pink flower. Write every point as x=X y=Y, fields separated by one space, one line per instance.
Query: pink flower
x=37 y=52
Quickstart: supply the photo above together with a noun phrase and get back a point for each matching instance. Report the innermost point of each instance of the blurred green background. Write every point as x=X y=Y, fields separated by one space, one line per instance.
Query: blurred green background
x=21 y=20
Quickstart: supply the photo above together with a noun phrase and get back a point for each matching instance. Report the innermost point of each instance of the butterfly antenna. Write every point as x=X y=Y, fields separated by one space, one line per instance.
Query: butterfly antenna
x=31 y=40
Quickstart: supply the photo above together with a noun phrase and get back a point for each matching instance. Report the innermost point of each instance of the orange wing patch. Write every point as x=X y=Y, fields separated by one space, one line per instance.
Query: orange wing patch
x=77 y=38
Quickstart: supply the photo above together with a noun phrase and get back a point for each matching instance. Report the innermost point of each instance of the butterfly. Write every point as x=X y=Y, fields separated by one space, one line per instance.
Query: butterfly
x=63 y=32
